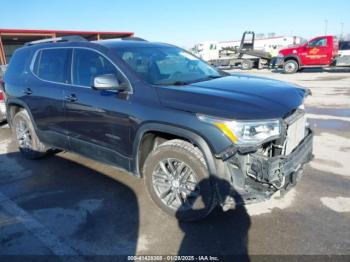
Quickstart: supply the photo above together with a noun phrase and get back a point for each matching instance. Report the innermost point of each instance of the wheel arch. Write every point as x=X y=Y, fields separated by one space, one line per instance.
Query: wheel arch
x=293 y=57
x=13 y=106
x=173 y=132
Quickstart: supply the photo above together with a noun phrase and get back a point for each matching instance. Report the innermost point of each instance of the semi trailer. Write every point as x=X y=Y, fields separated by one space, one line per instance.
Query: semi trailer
x=245 y=55
x=248 y=52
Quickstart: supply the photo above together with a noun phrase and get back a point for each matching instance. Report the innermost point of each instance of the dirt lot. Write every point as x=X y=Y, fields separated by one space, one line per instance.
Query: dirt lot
x=68 y=205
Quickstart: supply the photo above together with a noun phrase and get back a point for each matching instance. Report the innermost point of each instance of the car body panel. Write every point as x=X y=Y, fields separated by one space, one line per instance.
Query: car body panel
x=235 y=97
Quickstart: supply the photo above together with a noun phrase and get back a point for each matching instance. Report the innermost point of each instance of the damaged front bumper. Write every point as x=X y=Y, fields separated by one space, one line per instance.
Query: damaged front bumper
x=255 y=177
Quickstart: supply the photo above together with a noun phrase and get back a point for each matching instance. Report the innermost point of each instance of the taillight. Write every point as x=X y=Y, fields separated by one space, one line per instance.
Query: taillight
x=1 y=95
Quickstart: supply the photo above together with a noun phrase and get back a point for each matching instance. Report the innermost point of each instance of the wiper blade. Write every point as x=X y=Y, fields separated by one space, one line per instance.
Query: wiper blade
x=176 y=83
x=183 y=83
x=206 y=78
x=213 y=77
x=180 y=83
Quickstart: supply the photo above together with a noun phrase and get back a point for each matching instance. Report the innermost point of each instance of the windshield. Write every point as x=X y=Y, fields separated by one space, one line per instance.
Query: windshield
x=167 y=65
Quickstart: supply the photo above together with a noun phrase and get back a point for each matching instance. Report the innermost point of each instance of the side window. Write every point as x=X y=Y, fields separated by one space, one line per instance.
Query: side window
x=344 y=45
x=88 y=64
x=212 y=47
x=52 y=64
x=318 y=42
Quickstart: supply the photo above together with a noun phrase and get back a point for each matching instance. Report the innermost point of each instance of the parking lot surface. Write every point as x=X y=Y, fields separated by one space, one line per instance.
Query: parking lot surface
x=68 y=205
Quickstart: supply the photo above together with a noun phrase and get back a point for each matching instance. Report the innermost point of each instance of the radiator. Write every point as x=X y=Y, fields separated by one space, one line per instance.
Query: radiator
x=295 y=131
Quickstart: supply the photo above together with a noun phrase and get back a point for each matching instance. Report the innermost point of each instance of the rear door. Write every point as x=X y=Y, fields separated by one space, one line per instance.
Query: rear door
x=43 y=93
x=316 y=52
x=95 y=119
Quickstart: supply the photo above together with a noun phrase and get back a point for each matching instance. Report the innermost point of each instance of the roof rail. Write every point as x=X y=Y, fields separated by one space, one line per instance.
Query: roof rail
x=133 y=38
x=70 y=38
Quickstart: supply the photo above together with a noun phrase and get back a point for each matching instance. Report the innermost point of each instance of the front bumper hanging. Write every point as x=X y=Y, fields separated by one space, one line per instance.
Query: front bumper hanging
x=253 y=177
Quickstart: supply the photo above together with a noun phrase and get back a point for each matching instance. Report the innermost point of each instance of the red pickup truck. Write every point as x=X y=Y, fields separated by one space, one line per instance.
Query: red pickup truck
x=318 y=52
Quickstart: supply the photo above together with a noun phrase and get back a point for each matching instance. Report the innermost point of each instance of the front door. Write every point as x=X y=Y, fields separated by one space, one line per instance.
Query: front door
x=95 y=121
x=315 y=52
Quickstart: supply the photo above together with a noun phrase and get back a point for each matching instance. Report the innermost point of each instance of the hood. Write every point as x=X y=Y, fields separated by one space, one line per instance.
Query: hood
x=289 y=50
x=235 y=97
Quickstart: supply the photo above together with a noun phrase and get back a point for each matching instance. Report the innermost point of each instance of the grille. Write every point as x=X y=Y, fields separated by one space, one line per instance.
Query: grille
x=295 y=130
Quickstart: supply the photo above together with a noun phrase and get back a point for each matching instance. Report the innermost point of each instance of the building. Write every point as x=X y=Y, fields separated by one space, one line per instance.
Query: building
x=11 y=39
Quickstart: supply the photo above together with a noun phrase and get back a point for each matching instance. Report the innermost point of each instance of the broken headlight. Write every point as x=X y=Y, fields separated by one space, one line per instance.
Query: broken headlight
x=246 y=133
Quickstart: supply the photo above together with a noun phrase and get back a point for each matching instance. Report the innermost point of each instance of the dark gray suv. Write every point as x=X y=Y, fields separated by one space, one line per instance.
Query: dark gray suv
x=198 y=136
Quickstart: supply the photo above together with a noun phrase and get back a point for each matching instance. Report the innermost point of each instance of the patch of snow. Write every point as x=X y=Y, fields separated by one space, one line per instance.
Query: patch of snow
x=274 y=202
x=142 y=243
x=332 y=154
x=328 y=117
x=337 y=204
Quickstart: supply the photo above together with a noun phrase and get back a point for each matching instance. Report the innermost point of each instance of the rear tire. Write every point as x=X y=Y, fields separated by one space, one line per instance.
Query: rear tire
x=247 y=65
x=177 y=179
x=28 y=142
x=290 y=67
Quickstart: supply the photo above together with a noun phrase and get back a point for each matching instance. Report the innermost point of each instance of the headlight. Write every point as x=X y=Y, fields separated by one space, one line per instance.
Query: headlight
x=280 y=56
x=246 y=133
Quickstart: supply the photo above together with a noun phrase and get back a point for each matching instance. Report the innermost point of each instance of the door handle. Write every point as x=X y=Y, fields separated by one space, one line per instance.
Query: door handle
x=71 y=98
x=27 y=91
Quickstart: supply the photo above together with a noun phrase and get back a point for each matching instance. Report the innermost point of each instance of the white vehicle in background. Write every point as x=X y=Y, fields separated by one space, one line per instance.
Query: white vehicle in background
x=344 y=48
x=343 y=58
x=267 y=44
x=206 y=50
x=210 y=50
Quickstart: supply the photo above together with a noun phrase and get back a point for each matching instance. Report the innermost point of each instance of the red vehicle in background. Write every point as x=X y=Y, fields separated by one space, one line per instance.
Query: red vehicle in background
x=318 y=52
x=2 y=103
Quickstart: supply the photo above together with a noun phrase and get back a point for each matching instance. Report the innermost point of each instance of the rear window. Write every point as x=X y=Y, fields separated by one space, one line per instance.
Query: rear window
x=51 y=65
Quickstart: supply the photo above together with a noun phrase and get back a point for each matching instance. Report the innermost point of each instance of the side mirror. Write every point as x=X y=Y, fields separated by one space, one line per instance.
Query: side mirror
x=107 y=82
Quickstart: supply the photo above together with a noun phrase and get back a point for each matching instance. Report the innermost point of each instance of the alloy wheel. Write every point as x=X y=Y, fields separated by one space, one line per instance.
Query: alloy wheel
x=23 y=135
x=175 y=183
x=290 y=67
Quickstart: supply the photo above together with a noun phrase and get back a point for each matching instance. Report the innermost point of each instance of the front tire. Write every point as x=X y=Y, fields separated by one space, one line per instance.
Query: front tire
x=28 y=142
x=290 y=67
x=177 y=179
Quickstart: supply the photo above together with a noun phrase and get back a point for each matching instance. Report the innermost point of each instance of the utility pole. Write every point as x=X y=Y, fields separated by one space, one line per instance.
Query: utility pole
x=325 y=26
x=341 y=30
